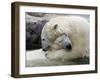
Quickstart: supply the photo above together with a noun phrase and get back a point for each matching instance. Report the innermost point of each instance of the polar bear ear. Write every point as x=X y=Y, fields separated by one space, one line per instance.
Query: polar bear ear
x=55 y=26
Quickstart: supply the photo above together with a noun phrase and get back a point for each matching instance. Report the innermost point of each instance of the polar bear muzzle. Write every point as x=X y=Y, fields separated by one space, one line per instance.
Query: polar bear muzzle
x=65 y=42
x=69 y=47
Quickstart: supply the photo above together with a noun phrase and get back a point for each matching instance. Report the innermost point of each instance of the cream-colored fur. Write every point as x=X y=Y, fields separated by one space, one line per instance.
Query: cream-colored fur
x=76 y=28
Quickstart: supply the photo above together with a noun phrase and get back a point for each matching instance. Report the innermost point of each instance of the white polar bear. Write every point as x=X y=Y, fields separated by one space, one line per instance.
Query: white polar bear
x=66 y=38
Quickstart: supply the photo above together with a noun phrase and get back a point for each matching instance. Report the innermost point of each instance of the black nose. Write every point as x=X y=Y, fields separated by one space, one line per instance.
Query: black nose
x=69 y=47
x=44 y=49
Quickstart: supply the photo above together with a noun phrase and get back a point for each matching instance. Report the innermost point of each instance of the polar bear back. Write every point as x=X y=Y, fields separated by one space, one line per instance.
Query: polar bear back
x=75 y=23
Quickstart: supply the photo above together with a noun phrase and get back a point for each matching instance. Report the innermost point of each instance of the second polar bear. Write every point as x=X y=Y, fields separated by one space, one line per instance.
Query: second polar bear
x=72 y=31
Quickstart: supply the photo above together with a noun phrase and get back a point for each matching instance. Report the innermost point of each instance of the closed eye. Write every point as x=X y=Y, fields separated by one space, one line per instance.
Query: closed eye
x=60 y=41
x=43 y=39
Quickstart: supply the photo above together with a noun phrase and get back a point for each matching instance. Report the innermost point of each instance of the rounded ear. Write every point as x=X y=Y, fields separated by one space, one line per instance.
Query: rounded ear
x=55 y=26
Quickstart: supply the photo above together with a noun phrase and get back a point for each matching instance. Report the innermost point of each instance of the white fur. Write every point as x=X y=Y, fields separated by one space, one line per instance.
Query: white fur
x=76 y=28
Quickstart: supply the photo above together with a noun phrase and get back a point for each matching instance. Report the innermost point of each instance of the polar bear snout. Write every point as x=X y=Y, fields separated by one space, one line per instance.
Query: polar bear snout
x=69 y=47
x=46 y=48
x=65 y=42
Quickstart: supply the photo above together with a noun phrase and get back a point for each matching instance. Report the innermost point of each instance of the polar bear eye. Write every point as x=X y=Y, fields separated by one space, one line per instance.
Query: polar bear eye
x=60 y=41
x=35 y=23
x=43 y=39
x=55 y=26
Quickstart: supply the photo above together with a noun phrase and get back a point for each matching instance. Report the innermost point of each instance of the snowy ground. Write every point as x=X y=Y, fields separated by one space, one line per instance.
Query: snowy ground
x=37 y=58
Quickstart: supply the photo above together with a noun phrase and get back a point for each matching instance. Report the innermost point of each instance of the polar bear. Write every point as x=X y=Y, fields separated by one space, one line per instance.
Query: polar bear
x=66 y=38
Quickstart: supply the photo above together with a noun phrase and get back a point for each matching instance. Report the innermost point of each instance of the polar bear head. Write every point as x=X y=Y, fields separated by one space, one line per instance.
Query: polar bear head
x=61 y=42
